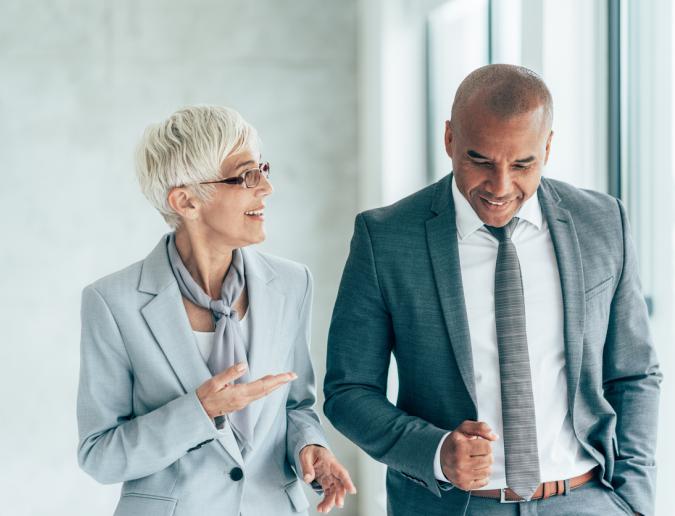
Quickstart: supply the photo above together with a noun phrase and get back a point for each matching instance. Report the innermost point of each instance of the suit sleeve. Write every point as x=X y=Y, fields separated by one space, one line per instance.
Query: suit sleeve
x=114 y=444
x=360 y=343
x=631 y=377
x=303 y=424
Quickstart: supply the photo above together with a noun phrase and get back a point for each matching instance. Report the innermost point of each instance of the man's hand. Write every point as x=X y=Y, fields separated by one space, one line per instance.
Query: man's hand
x=320 y=464
x=466 y=455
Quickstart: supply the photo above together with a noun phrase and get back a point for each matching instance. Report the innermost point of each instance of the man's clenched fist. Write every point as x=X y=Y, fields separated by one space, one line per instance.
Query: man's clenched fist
x=466 y=455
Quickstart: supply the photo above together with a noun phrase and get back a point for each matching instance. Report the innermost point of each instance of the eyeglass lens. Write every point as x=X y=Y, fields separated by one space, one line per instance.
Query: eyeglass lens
x=252 y=177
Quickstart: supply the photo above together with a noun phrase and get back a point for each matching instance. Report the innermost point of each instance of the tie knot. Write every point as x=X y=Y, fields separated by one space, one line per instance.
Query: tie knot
x=503 y=233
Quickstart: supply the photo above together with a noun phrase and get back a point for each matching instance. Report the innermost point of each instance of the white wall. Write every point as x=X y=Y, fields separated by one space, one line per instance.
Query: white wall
x=79 y=82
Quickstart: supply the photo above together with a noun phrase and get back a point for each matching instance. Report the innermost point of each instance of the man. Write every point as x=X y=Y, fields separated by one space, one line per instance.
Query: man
x=513 y=307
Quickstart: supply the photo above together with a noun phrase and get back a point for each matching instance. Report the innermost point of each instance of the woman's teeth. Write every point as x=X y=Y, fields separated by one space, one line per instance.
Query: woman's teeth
x=256 y=213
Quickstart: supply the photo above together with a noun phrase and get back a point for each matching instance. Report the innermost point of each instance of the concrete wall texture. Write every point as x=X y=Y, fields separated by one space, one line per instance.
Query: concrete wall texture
x=79 y=81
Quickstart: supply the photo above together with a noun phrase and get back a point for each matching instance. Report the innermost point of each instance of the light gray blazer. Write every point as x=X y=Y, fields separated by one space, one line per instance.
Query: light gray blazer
x=140 y=421
x=402 y=293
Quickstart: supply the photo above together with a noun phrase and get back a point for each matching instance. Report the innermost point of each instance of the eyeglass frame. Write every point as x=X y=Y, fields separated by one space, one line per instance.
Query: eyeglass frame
x=263 y=169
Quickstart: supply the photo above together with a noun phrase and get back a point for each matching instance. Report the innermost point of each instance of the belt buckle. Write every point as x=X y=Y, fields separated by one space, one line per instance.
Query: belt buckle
x=502 y=497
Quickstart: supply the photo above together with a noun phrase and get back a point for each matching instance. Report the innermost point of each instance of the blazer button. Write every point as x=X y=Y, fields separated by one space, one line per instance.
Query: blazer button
x=236 y=474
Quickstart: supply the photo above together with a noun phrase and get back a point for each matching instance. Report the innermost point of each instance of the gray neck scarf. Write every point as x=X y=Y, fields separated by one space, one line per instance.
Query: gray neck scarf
x=228 y=344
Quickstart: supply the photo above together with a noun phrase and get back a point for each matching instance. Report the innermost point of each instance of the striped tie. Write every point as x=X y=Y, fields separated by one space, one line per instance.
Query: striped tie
x=520 y=431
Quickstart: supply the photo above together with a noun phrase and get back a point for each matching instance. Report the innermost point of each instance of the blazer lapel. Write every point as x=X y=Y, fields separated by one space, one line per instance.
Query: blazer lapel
x=568 y=256
x=265 y=305
x=444 y=253
x=166 y=316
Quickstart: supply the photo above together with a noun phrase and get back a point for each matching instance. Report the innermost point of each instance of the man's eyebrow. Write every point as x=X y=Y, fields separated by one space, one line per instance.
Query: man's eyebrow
x=475 y=155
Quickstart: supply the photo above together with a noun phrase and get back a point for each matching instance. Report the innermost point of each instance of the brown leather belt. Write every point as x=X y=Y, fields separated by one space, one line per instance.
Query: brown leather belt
x=545 y=490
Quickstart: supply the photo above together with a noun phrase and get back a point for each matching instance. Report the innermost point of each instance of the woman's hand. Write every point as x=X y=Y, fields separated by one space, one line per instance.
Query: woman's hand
x=320 y=464
x=219 y=396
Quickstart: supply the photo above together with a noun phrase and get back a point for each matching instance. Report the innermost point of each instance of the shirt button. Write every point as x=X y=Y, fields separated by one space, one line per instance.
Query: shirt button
x=236 y=474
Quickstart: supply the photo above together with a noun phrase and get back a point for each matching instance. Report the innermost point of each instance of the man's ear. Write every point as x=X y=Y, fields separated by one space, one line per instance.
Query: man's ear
x=448 y=139
x=183 y=203
x=548 y=147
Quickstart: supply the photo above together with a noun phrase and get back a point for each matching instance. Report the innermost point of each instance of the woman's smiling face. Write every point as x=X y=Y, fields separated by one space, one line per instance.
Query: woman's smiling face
x=235 y=214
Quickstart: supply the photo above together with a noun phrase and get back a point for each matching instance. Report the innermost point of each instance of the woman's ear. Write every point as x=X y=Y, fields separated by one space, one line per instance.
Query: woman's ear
x=183 y=203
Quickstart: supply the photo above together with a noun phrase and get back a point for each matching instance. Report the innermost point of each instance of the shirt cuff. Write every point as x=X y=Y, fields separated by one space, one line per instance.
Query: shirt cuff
x=438 y=470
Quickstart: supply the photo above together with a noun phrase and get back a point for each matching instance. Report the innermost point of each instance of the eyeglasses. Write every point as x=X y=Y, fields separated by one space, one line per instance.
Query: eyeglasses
x=249 y=178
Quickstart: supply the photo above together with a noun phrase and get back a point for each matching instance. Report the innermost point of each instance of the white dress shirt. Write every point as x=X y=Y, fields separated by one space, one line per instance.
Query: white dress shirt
x=205 y=338
x=560 y=454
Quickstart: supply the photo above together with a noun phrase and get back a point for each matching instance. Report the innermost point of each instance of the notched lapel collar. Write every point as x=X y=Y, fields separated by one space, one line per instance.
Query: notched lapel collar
x=168 y=321
x=171 y=328
x=444 y=253
x=570 y=267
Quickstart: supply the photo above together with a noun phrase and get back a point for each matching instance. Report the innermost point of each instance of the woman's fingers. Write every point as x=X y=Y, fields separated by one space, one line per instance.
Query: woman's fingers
x=265 y=385
x=307 y=464
x=343 y=475
x=340 y=493
x=219 y=396
x=229 y=375
x=210 y=393
x=328 y=501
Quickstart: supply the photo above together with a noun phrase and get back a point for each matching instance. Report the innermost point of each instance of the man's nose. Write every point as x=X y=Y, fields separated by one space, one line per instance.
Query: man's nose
x=500 y=181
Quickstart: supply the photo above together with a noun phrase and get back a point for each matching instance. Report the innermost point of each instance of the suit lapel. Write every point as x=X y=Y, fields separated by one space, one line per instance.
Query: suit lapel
x=266 y=350
x=170 y=326
x=444 y=253
x=168 y=321
x=568 y=256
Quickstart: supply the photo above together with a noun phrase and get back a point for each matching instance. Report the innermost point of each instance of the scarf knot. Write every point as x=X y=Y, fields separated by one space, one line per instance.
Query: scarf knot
x=220 y=309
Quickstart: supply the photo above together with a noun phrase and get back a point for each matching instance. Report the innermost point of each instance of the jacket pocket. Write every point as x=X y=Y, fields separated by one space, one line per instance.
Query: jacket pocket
x=139 y=504
x=296 y=496
x=600 y=287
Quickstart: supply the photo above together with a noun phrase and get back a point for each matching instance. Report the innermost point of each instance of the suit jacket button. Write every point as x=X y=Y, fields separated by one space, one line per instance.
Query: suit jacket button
x=236 y=474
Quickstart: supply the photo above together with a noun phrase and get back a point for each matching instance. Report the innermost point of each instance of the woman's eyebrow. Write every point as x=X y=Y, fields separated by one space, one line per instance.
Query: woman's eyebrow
x=245 y=164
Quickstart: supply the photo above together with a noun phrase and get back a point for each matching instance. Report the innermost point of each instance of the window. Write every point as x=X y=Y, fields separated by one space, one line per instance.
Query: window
x=644 y=178
x=458 y=41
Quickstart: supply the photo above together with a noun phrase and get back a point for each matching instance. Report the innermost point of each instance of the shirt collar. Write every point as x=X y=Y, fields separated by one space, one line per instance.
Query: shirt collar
x=468 y=222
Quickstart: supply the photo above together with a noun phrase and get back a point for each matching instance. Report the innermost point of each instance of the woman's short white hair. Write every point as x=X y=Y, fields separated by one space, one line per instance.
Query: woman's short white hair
x=186 y=148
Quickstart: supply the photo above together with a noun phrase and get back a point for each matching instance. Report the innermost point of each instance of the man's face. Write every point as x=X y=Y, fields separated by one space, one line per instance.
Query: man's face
x=497 y=163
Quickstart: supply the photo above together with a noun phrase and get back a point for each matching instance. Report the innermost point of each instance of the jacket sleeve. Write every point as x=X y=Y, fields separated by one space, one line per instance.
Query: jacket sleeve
x=631 y=378
x=304 y=426
x=360 y=342
x=115 y=445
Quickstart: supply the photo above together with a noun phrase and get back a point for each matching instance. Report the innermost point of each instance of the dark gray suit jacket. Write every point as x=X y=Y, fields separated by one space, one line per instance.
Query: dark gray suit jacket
x=402 y=293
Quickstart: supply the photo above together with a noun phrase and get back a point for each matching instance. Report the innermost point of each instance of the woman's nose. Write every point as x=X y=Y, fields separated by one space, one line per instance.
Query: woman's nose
x=265 y=187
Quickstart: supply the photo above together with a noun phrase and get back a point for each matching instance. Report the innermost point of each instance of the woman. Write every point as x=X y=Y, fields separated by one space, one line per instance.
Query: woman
x=196 y=387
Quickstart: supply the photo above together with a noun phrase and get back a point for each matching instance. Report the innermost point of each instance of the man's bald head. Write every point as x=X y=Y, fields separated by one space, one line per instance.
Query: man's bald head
x=503 y=90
